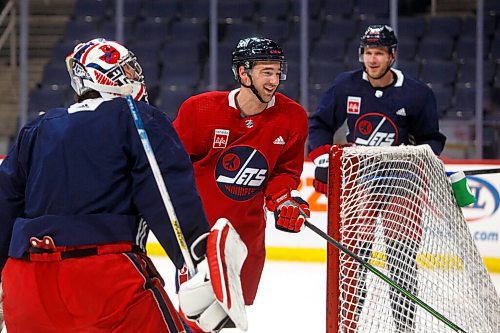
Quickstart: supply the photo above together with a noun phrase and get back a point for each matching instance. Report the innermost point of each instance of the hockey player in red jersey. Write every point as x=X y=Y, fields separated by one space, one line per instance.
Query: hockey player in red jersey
x=247 y=149
x=78 y=198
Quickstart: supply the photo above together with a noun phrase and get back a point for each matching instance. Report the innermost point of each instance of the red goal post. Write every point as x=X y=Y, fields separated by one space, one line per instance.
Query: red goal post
x=393 y=207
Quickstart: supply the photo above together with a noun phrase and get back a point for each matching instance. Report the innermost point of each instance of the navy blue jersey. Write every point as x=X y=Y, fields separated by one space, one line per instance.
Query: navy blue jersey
x=402 y=113
x=81 y=176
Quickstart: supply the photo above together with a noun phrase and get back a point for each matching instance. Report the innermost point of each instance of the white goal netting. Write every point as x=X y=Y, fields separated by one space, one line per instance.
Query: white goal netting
x=398 y=213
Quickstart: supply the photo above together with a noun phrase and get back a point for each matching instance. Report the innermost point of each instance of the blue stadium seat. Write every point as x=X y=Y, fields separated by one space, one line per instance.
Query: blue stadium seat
x=467 y=73
x=435 y=49
x=272 y=10
x=78 y=31
x=410 y=28
x=194 y=9
x=180 y=53
x=276 y=30
x=96 y=10
x=188 y=30
x=238 y=30
x=45 y=99
x=290 y=89
x=61 y=50
x=235 y=10
x=438 y=73
x=55 y=76
x=185 y=76
x=151 y=72
x=339 y=8
x=323 y=73
x=147 y=51
x=152 y=30
x=314 y=30
x=407 y=49
x=444 y=96
x=373 y=8
x=469 y=26
x=170 y=100
x=159 y=9
x=314 y=8
x=292 y=50
x=495 y=48
x=466 y=49
x=108 y=30
x=325 y=50
x=465 y=102
x=410 y=67
x=339 y=30
x=439 y=27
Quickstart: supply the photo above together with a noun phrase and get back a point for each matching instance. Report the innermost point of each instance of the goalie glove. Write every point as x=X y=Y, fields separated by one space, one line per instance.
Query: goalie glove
x=320 y=158
x=290 y=210
x=213 y=297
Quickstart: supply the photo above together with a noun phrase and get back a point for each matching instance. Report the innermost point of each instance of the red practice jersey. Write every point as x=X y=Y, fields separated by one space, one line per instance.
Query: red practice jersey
x=240 y=161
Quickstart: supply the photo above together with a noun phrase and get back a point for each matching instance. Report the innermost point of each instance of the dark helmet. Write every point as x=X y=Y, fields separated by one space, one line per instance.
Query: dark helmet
x=250 y=50
x=378 y=35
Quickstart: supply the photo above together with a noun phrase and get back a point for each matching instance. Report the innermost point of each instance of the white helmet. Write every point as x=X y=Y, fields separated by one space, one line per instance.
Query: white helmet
x=107 y=67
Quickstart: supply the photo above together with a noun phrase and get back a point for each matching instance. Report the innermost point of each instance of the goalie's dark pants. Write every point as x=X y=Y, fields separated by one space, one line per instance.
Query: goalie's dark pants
x=402 y=266
x=116 y=292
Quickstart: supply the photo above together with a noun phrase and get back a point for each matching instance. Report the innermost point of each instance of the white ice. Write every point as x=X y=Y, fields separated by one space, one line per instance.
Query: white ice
x=291 y=297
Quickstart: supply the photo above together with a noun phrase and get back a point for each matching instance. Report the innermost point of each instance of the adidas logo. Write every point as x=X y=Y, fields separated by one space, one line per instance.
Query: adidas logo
x=279 y=141
x=401 y=112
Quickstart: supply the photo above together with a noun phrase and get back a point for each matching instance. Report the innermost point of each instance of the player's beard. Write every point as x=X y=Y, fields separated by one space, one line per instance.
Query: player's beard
x=378 y=72
x=267 y=94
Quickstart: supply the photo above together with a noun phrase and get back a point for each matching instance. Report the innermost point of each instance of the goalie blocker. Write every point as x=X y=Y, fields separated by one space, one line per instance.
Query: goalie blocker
x=213 y=298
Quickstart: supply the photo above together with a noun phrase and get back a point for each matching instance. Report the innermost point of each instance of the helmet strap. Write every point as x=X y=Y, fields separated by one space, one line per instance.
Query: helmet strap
x=252 y=87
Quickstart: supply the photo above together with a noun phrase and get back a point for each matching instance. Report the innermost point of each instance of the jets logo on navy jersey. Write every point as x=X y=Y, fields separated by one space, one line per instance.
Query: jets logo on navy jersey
x=241 y=172
x=375 y=129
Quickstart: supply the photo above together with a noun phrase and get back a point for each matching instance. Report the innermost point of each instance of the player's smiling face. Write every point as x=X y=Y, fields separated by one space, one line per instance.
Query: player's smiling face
x=266 y=78
x=377 y=60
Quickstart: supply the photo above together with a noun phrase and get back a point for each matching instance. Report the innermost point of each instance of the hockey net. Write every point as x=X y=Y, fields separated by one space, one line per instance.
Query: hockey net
x=394 y=208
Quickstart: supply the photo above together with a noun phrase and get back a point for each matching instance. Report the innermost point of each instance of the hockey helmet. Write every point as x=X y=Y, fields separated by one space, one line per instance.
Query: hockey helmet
x=250 y=50
x=107 y=67
x=378 y=35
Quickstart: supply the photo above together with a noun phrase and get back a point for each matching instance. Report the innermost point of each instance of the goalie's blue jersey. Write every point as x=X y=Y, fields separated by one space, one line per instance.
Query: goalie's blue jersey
x=402 y=113
x=81 y=176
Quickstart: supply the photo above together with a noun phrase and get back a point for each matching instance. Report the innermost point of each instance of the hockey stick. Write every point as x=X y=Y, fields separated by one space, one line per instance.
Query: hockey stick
x=475 y=172
x=161 y=185
x=384 y=277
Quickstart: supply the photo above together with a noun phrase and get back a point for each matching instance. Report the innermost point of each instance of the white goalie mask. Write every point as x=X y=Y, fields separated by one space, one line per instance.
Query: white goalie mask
x=107 y=67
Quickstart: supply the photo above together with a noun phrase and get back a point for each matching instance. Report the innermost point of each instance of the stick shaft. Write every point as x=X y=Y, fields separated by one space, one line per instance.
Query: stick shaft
x=161 y=185
x=384 y=277
x=481 y=171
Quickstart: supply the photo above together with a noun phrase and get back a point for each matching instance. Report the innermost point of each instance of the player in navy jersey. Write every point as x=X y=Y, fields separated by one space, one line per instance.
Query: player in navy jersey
x=382 y=107
x=247 y=148
x=77 y=198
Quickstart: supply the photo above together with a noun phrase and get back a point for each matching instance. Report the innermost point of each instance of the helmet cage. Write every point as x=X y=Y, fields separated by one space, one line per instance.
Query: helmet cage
x=248 y=65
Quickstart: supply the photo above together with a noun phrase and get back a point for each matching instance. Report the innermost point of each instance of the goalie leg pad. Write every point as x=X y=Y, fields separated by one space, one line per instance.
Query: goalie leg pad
x=226 y=254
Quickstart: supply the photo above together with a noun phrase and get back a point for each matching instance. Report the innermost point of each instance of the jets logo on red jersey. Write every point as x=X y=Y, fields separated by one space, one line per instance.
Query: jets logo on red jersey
x=375 y=129
x=241 y=172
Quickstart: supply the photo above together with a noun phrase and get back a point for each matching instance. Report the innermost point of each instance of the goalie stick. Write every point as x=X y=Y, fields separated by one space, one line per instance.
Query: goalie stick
x=384 y=277
x=161 y=184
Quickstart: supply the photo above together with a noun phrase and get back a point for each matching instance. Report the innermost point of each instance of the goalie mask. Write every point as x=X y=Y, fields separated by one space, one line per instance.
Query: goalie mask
x=106 y=67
